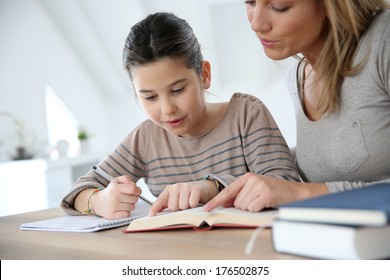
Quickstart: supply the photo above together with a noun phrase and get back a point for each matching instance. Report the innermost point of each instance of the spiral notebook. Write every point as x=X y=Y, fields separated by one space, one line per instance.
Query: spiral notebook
x=86 y=223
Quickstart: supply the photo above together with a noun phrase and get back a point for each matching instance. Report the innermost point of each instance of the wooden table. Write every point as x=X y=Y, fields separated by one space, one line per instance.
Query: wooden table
x=114 y=244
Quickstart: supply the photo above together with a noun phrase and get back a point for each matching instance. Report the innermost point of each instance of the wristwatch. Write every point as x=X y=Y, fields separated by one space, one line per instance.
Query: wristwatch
x=219 y=186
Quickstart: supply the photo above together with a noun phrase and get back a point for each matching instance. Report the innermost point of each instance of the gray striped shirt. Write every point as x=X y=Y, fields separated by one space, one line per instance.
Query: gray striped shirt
x=246 y=139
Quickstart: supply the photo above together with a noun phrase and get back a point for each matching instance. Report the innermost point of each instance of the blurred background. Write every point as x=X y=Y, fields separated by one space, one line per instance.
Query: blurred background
x=65 y=100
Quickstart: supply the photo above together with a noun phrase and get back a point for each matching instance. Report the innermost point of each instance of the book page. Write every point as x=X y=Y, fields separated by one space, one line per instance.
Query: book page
x=236 y=216
x=197 y=217
x=193 y=217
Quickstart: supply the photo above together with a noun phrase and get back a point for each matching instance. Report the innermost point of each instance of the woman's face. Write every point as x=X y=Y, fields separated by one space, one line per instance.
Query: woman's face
x=288 y=27
x=172 y=95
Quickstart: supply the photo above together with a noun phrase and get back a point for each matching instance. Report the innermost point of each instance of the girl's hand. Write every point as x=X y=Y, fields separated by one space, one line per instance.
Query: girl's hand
x=183 y=196
x=117 y=200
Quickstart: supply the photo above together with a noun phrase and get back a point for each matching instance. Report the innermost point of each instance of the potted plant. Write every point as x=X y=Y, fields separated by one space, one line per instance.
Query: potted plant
x=23 y=142
x=83 y=137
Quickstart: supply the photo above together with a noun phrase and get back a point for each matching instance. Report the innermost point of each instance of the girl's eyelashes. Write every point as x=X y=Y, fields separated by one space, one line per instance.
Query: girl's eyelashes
x=154 y=97
x=150 y=98
x=177 y=91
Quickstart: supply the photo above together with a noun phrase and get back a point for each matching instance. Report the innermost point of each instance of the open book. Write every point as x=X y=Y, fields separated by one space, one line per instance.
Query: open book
x=201 y=220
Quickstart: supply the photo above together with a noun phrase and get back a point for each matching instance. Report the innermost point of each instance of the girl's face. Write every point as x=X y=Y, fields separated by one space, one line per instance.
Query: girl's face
x=172 y=95
x=288 y=27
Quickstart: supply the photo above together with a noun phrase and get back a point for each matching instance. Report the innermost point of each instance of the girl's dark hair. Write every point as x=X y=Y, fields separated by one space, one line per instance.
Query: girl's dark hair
x=158 y=36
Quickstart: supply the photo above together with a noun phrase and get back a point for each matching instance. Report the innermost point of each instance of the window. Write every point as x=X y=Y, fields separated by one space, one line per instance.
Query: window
x=61 y=123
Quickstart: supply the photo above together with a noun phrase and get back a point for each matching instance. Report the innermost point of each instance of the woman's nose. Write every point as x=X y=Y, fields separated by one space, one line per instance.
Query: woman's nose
x=258 y=20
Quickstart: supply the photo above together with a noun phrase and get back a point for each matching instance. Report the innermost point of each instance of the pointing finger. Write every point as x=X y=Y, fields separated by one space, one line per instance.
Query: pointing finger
x=227 y=196
x=160 y=204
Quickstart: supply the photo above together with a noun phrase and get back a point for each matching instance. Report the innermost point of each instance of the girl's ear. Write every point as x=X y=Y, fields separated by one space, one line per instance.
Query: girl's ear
x=206 y=74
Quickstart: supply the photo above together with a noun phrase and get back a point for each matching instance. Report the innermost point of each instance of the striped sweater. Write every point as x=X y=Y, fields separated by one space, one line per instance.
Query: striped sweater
x=246 y=139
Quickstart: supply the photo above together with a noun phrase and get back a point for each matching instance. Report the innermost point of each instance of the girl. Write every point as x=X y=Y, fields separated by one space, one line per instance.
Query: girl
x=341 y=88
x=188 y=149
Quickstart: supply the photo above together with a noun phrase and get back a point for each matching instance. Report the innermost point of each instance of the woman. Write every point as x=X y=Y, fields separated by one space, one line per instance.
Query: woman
x=341 y=87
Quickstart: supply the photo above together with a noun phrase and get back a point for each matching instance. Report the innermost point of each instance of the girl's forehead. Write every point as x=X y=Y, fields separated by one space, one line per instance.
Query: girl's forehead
x=161 y=74
x=165 y=66
x=168 y=61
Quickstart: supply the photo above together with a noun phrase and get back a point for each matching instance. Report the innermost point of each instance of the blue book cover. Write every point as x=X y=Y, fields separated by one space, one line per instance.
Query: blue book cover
x=368 y=205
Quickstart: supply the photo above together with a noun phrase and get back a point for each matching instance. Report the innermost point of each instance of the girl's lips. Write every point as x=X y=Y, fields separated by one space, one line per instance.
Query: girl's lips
x=268 y=43
x=175 y=123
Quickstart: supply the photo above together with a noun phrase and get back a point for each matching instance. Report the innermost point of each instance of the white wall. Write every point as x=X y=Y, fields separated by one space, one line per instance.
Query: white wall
x=34 y=52
x=75 y=47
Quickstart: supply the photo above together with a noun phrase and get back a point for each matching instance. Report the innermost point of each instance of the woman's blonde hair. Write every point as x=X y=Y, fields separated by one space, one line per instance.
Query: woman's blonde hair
x=347 y=20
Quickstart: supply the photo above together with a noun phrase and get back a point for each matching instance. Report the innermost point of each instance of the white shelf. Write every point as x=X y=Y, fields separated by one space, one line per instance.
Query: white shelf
x=30 y=185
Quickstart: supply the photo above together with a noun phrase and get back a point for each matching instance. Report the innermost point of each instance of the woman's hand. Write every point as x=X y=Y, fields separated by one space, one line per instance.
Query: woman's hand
x=254 y=192
x=184 y=195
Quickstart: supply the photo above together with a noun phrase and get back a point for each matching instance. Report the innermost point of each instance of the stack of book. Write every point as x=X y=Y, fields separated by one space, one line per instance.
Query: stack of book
x=347 y=225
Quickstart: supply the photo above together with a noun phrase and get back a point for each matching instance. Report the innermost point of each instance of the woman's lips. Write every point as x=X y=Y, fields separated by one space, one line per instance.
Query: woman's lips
x=268 y=43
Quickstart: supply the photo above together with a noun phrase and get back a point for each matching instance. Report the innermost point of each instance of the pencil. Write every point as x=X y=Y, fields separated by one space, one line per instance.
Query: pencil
x=107 y=176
